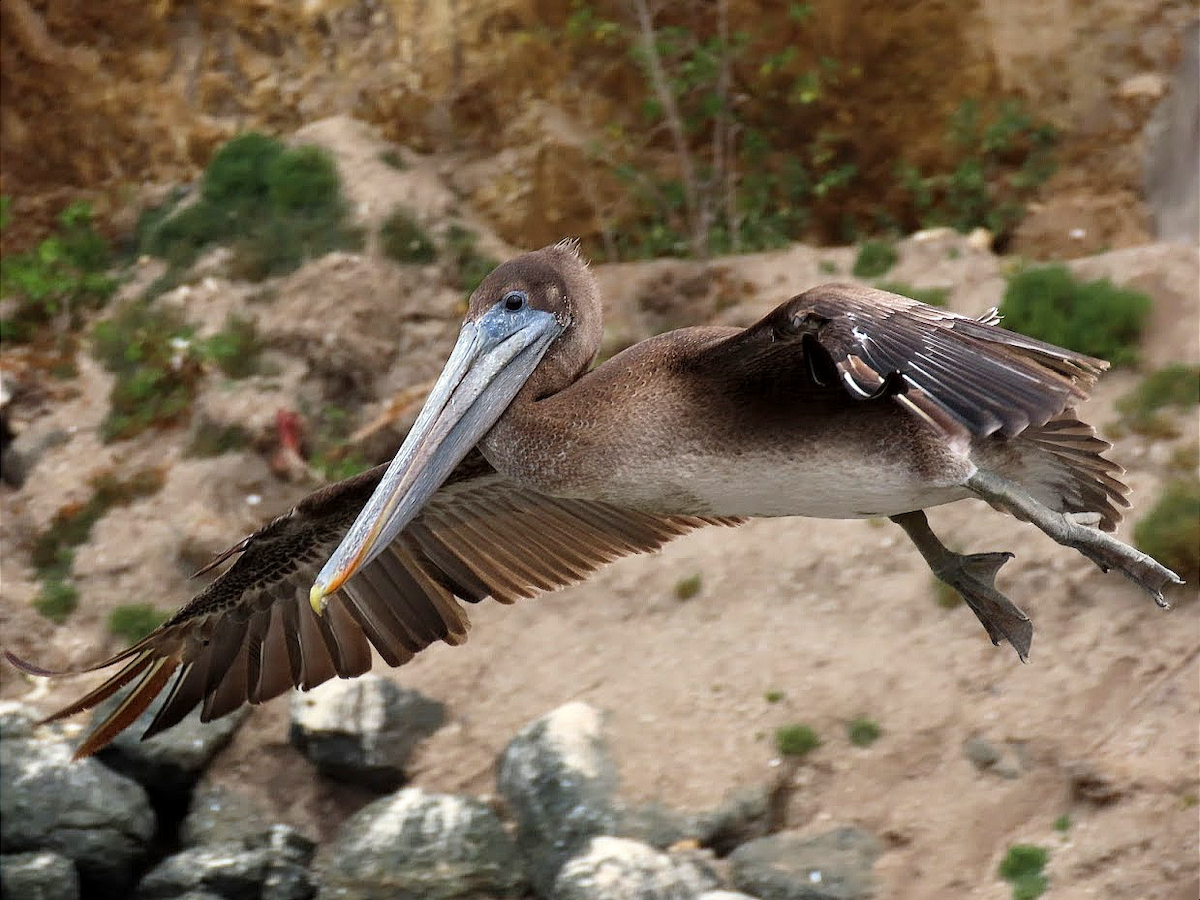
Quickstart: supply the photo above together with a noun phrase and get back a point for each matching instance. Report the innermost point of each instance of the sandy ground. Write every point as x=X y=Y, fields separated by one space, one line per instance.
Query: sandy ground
x=1102 y=724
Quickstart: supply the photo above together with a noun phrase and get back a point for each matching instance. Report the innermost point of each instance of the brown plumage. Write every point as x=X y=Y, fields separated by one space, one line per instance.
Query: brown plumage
x=843 y=402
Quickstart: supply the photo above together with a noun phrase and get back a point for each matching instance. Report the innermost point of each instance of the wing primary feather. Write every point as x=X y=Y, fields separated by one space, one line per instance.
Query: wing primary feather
x=130 y=708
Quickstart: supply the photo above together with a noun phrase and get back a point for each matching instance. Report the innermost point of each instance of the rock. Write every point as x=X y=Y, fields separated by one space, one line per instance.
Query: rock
x=414 y=845
x=725 y=895
x=785 y=866
x=16 y=720
x=218 y=815
x=655 y=824
x=363 y=730
x=38 y=876
x=232 y=871
x=95 y=817
x=168 y=764
x=559 y=781
x=1172 y=137
x=744 y=814
x=611 y=868
x=999 y=759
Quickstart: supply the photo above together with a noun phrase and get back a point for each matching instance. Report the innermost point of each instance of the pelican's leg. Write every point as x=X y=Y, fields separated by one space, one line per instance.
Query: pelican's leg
x=1077 y=530
x=974 y=577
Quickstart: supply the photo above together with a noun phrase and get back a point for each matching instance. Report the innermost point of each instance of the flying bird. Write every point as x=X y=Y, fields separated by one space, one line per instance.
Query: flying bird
x=527 y=469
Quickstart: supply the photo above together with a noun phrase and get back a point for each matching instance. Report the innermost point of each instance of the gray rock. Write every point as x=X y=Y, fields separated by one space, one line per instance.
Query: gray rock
x=1172 y=137
x=414 y=845
x=16 y=720
x=363 y=730
x=785 y=866
x=654 y=824
x=231 y=871
x=38 y=876
x=218 y=815
x=559 y=781
x=744 y=814
x=612 y=868
x=100 y=820
x=725 y=895
x=1003 y=759
x=168 y=764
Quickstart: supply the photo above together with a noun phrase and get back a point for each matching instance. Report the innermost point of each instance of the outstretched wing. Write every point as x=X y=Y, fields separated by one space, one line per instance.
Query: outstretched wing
x=958 y=374
x=251 y=634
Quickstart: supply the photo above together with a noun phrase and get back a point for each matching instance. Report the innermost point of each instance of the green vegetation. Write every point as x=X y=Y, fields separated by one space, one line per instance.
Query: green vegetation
x=276 y=206
x=1003 y=157
x=1094 y=317
x=159 y=364
x=933 y=296
x=53 y=551
x=215 y=439
x=393 y=159
x=134 y=621
x=64 y=275
x=157 y=368
x=687 y=588
x=1170 y=532
x=468 y=264
x=863 y=732
x=796 y=740
x=331 y=454
x=874 y=258
x=1062 y=823
x=702 y=172
x=403 y=239
x=774 y=696
x=235 y=349
x=1175 y=385
x=1022 y=868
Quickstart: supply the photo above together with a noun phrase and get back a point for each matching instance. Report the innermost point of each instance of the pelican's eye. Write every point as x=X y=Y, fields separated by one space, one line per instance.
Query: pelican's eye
x=514 y=301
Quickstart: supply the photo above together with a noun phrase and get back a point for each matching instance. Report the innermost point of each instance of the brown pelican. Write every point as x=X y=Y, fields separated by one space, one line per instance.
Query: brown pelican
x=525 y=471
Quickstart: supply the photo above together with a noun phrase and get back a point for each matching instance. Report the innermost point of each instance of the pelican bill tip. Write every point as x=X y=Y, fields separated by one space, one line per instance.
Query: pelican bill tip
x=318 y=598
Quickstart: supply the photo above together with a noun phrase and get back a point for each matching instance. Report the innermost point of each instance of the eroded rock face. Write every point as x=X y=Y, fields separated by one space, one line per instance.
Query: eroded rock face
x=611 y=868
x=559 y=781
x=38 y=876
x=785 y=866
x=363 y=730
x=98 y=819
x=414 y=845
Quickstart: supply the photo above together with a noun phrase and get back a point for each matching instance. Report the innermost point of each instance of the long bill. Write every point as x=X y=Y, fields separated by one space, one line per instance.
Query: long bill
x=493 y=358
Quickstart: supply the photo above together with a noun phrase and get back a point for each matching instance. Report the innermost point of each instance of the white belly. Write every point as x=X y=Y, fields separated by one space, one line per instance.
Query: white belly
x=822 y=486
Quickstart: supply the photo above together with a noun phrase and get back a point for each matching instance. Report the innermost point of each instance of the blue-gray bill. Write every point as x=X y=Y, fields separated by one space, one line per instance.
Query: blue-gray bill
x=493 y=358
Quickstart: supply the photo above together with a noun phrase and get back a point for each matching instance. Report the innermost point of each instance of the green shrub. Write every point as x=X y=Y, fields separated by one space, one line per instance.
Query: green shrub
x=213 y=439
x=1170 y=532
x=468 y=264
x=158 y=370
x=1094 y=317
x=774 y=696
x=1022 y=867
x=796 y=740
x=1062 y=823
x=235 y=349
x=393 y=159
x=933 y=296
x=276 y=206
x=1174 y=385
x=134 y=621
x=687 y=588
x=863 y=732
x=403 y=239
x=64 y=275
x=53 y=551
x=874 y=258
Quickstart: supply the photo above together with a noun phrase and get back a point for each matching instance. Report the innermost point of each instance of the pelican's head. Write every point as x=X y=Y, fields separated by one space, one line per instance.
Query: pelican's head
x=534 y=320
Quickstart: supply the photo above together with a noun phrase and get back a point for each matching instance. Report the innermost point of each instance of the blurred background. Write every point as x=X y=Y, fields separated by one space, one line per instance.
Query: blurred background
x=237 y=242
